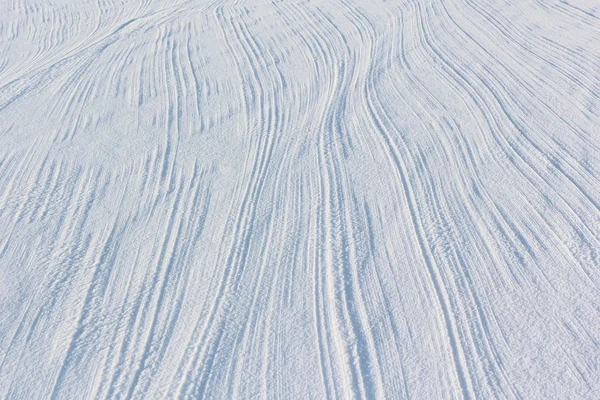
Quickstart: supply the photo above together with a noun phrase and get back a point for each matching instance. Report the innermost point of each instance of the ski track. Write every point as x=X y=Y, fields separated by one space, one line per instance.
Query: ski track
x=299 y=199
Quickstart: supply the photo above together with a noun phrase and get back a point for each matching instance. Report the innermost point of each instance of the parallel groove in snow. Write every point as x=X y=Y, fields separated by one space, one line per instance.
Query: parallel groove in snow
x=303 y=198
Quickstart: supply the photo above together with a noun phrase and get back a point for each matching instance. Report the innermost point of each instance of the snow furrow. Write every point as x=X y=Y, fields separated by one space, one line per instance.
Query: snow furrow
x=299 y=199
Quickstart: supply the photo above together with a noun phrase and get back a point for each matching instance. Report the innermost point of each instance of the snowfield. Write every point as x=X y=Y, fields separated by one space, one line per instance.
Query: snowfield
x=299 y=199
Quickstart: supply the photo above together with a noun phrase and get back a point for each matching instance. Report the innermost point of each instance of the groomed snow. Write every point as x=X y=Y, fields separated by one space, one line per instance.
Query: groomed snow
x=294 y=199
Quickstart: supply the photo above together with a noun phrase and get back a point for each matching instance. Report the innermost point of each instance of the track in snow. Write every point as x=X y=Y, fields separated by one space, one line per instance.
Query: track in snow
x=299 y=199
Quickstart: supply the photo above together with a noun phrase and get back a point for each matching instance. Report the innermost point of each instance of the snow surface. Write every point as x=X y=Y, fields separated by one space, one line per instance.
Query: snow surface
x=299 y=199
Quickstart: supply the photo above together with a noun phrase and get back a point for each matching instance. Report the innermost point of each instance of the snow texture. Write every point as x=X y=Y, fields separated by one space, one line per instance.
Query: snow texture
x=296 y=199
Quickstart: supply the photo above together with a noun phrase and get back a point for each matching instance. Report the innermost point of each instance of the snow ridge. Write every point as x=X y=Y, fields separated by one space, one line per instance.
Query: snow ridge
x=299 y=199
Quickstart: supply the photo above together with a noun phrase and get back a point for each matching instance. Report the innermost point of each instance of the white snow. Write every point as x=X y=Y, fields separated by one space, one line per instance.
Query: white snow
x=296 y=199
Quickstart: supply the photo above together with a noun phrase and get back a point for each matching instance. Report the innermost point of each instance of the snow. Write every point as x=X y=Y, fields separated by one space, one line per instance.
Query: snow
x=299 y=199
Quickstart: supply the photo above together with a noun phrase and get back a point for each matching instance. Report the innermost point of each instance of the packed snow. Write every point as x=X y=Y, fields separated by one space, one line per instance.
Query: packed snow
x=294 y=199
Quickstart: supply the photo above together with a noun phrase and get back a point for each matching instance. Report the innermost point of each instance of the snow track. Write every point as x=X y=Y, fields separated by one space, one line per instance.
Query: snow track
x=299 y=199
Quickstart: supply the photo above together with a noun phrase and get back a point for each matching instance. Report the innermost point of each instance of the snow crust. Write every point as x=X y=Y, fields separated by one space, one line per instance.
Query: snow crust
x=299 y=199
